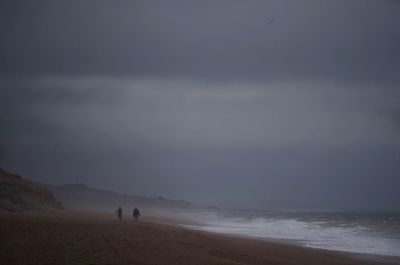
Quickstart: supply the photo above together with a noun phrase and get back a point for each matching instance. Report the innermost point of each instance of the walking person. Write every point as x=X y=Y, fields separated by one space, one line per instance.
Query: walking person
x=119 y=213
x=136 y=214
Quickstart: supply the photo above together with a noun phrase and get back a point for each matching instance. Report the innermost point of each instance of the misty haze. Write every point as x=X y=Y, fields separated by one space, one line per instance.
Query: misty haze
x=277 y=120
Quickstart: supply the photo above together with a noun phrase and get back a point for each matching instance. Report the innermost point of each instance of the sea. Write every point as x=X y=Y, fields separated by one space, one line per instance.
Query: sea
x=374 y=233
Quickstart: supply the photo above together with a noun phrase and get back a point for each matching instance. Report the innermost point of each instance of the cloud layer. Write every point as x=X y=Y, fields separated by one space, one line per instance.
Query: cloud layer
x=228 y=102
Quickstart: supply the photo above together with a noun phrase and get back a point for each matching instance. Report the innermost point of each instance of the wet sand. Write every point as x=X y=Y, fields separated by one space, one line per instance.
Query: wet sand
x=73 y=237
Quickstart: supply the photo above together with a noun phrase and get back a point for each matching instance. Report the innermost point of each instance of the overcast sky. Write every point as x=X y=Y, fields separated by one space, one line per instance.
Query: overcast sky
x=233 y=103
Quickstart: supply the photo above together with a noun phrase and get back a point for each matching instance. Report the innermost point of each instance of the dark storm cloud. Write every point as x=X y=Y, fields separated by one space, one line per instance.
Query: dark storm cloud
x=274 y=100
x=192 y=112
x=337 y=40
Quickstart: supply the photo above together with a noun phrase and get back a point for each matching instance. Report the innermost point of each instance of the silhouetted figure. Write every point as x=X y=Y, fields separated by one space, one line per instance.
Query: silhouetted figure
x=119 y=213
x=136 y=214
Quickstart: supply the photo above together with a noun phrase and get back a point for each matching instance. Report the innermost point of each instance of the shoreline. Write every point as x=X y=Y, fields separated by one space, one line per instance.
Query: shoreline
x=77 y=237
x=285 y=242
x=354 y=255
x=191 y=225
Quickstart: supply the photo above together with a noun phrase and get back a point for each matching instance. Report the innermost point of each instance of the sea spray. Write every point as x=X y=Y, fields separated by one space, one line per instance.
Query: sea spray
x=367 y=233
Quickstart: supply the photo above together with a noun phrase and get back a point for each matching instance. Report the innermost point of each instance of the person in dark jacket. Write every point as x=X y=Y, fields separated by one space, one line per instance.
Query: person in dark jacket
x=136 y=214
x=119 y=213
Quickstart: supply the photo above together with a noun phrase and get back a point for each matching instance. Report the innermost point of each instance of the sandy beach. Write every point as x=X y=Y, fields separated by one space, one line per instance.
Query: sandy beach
x=73 y=237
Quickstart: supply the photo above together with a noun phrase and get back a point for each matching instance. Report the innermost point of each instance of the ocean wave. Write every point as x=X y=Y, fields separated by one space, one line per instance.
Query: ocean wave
x=324 y=234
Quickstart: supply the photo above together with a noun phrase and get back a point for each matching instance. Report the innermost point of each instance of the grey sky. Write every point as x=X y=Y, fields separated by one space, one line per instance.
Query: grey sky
x=221 y=102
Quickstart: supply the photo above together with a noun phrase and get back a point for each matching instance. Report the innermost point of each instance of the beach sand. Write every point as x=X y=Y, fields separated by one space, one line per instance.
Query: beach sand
x=74 y=237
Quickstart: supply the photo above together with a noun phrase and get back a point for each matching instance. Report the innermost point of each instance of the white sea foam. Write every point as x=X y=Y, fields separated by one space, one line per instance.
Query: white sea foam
x=316 y=234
